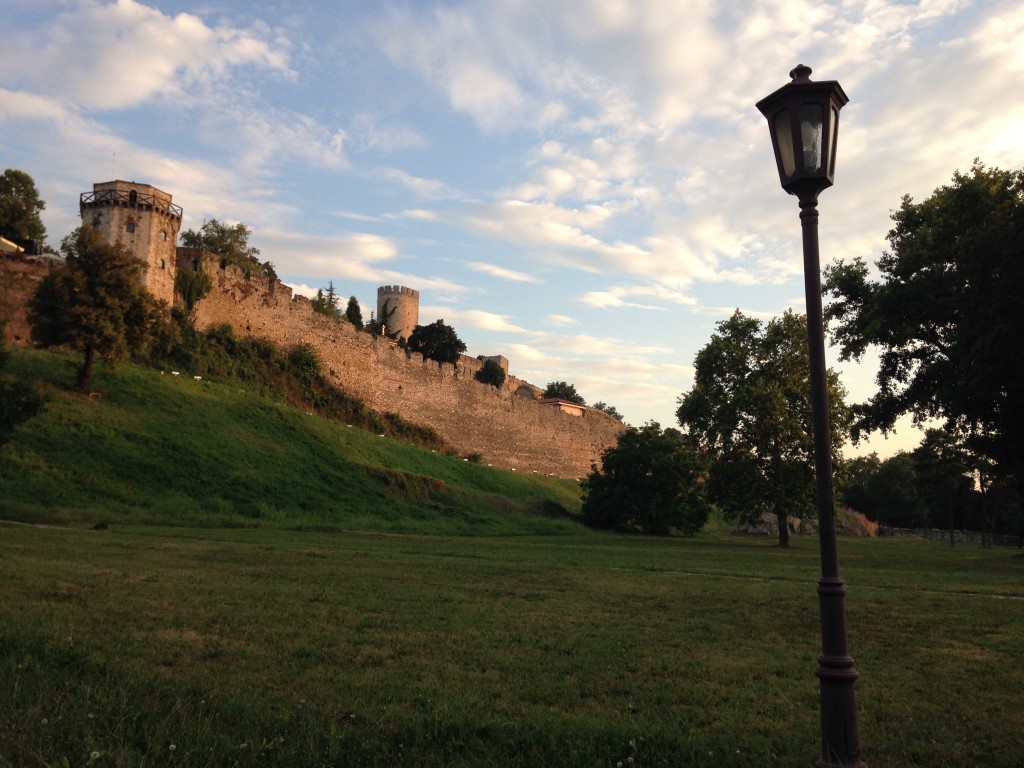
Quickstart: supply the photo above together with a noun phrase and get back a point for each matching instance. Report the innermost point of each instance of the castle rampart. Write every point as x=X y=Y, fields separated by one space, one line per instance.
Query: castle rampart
x=507 y=426
x=507 y=429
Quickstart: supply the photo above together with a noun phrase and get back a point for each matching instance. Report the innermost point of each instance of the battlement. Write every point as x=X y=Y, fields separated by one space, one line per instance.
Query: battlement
x=401 y=290
x=128 y=194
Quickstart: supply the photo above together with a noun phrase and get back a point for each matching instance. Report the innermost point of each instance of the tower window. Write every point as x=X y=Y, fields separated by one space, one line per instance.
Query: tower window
x=163 y=237
x=131 y=227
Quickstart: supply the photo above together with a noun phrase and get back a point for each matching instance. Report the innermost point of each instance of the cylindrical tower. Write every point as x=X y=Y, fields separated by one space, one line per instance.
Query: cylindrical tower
x=398 y=310
x=142 y=218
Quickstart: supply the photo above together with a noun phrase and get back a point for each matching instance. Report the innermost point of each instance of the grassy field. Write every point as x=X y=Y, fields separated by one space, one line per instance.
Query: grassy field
x=146 y=646
x=274 y=588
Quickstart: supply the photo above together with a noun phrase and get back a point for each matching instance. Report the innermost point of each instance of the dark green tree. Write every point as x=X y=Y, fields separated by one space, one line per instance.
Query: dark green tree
x=854 y=482
x=231 y=243
x=564 y=391
x=353 y=313
x=649 y=481
x=18 y=401
x=750 y=412
x=609 y=409
x=436 y=341
x=19 y=209
x=95 y=302
x=894 y=493
x=191 y=286
x=945 y=314
x=945 y=486
x=326 y=303
x=491 y=373
x=382 y=324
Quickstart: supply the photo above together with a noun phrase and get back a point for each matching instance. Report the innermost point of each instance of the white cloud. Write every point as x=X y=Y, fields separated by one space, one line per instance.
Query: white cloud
x=469 y=318
x=114 y=55
x=617 y=297
x=561 y=321
x=502 y=273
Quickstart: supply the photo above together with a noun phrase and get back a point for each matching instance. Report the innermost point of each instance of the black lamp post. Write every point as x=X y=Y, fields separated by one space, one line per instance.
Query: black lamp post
x=804 y=121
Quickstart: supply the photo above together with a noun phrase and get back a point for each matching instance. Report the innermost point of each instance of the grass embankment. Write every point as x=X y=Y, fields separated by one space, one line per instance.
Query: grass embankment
x=146 y=646
x=161 y=449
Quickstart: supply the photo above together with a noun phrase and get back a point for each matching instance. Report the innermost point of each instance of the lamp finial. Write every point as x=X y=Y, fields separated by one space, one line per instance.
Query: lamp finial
x=801 y=73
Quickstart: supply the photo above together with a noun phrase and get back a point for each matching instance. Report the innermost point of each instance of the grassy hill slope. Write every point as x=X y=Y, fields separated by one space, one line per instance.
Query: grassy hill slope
x=172 y=450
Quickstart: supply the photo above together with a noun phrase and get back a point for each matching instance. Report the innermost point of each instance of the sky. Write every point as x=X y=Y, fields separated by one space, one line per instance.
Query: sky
x=582 y=186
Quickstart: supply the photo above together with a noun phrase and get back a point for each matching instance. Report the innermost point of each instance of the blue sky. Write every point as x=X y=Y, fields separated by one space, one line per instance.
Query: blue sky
x=583 y=187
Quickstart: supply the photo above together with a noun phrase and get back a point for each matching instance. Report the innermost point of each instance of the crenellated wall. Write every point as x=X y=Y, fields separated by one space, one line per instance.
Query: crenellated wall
x=506 y=425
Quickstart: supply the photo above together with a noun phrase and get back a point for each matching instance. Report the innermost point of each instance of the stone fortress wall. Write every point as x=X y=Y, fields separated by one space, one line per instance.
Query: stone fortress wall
x=507 y=426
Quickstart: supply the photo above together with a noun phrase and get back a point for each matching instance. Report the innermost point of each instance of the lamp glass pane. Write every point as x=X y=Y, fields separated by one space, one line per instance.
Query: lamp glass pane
x=832 y=124
x=810 y=136
x=784 y=138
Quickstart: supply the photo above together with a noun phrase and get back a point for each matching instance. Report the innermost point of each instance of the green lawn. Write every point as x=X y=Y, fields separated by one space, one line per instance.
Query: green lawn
x=150 y=646
x=168 y=450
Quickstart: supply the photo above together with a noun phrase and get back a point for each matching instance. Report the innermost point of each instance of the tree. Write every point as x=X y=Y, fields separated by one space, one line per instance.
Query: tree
x=95 y=302
x=191 y=286
x=436 y=341
x=564 y=391
x=750 y=411
x=649 y=481
x=353 y=313
x=942 y=467
x=609 y=409
x=327 y=303
x=231 y=243
x=382 y=324
x=886 y=491
x=491 y=373
x=19 y=209
x=18 y=401
x=945 y=314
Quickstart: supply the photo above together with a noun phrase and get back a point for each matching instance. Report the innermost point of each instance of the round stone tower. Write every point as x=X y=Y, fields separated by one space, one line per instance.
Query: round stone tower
x=398 y=310
x=142 y=218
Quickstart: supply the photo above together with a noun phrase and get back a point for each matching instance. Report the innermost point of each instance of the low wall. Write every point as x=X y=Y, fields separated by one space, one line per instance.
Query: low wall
x=959 y=537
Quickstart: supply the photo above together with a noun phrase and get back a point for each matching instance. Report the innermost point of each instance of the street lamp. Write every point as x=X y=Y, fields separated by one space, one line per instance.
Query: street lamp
x=803 y=118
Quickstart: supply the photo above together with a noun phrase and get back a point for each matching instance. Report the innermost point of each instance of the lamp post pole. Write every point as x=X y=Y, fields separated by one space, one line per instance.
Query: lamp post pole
x=840 y=736
x=803 y=118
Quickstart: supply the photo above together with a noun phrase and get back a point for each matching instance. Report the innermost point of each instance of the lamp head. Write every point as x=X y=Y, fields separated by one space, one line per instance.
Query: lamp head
x=803 y=118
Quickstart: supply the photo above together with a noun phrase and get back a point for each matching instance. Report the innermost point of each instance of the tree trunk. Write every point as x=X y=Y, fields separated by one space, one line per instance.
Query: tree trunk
x=85 y=372
x=783 y=529
x=949 y=500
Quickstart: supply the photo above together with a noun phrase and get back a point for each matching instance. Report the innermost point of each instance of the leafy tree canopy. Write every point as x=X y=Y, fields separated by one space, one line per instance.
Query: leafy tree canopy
x=231 y=243
x=564 y=391
x=437 y=341
x=18 y=401
x=95 y=302
x=649 y=481
x=19 y=209
x=945 y=314
x=750 y=411
x=491 y=373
